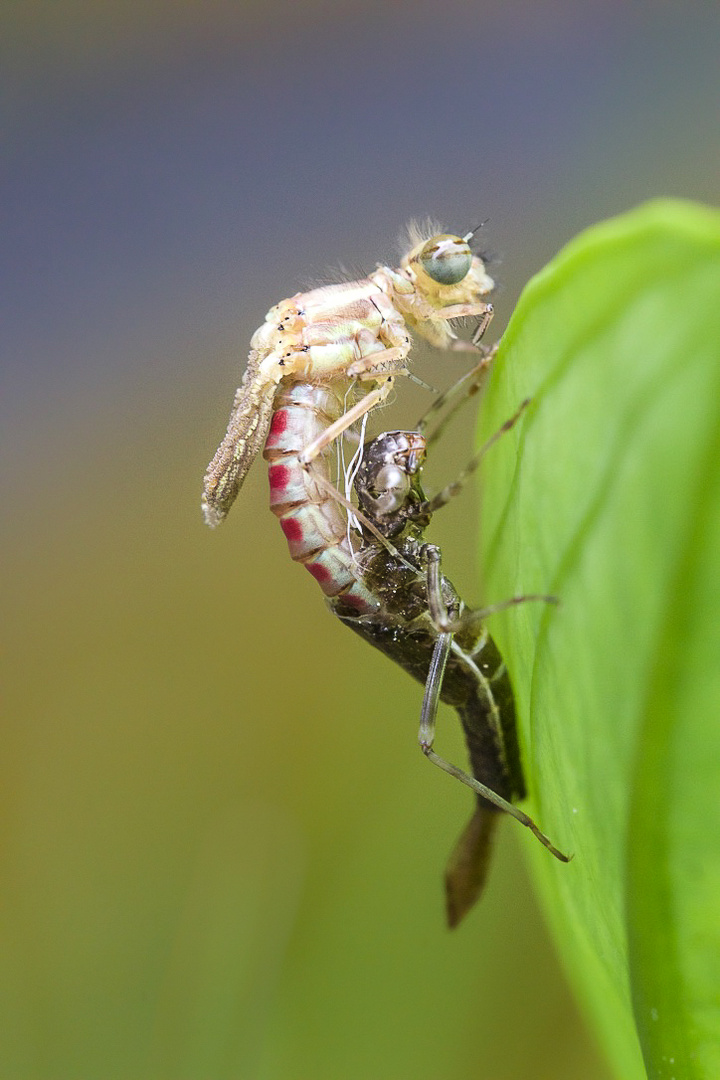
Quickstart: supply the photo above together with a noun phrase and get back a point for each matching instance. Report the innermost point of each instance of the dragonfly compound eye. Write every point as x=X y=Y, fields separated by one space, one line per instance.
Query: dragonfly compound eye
x=446 y=259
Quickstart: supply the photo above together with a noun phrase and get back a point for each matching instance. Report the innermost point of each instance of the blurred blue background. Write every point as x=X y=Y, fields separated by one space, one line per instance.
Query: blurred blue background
x=222 y=851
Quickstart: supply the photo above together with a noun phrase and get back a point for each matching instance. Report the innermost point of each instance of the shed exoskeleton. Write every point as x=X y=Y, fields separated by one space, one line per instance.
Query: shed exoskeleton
x=416 y=617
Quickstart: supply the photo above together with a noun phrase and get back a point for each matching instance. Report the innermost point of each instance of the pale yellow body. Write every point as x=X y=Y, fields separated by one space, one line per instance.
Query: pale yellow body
x=359 y=330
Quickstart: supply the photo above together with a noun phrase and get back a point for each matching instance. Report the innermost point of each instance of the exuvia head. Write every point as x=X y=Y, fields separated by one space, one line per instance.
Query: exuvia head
x=388 y=480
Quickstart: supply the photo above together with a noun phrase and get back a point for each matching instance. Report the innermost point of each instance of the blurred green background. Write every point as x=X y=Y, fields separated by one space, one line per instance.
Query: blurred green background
x=222 y=851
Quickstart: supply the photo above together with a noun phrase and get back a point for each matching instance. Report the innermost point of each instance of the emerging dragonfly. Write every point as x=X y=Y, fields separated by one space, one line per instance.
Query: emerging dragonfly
x=305 y=363
x=315 y=348
x=423 y=625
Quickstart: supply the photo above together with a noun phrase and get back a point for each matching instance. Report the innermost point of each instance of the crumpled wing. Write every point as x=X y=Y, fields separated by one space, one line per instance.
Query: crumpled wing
x=247 y=429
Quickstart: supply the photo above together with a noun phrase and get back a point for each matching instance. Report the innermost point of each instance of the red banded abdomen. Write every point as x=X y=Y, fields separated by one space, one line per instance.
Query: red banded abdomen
x=313 y=521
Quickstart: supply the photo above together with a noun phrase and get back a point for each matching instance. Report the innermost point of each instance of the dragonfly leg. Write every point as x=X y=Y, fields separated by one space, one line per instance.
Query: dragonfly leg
x=426 y=738
x=472 y=620
x=422 y=310
x=467 y=619
x=439 y=613
x=330 y=489
x=457 y=485
x=473 y=345
x=430 y=424
x=483 y=323
x=334 y=431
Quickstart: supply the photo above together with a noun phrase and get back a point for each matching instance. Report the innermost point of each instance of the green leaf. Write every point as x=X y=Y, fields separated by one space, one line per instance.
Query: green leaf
x=607 y=494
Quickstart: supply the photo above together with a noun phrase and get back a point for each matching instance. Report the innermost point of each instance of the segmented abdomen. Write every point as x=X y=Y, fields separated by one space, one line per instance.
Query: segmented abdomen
x=314 y=523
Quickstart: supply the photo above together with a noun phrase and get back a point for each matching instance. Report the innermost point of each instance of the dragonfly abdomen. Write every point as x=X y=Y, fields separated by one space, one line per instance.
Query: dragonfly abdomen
x=314 y=523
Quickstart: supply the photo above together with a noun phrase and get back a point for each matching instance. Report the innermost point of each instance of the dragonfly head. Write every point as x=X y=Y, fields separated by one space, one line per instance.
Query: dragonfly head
x=446 y=273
